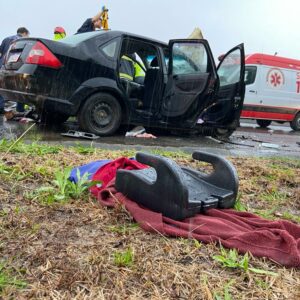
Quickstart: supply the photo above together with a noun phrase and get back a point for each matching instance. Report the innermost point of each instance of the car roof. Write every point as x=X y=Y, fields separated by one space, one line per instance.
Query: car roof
x=111 y=33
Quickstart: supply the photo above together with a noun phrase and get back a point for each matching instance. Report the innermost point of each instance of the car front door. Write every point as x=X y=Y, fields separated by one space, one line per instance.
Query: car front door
x=191 y=79
x=226 y=111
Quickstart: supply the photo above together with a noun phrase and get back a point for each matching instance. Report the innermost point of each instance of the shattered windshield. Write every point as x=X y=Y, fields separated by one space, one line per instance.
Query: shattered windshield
x=189 y=58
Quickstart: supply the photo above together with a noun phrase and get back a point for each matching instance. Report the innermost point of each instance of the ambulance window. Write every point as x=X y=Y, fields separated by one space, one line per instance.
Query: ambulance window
x=250 y=74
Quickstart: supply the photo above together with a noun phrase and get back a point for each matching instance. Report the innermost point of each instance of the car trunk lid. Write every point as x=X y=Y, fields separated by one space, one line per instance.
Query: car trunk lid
x=30 y=51
x=17 y=53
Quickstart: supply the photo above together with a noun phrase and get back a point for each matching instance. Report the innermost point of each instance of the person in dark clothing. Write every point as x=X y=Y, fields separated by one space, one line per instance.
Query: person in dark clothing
x=21 y=32
x=91 y=24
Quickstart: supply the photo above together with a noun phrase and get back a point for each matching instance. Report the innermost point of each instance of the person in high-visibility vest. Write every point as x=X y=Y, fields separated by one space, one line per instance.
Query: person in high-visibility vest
x=59 y=33
x=139 y=73
x=131 y=70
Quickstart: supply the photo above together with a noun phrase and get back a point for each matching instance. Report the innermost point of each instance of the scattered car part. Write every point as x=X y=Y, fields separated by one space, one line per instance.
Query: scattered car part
x=135 y=131
x=270 y=145
x=179 y=192
x=80 y=134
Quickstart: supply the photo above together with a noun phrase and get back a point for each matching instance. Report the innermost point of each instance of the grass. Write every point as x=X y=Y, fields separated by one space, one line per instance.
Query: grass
x=123 y=258
x=7 y=280
x=62 y=189
x=57 y=242
x=231 y=259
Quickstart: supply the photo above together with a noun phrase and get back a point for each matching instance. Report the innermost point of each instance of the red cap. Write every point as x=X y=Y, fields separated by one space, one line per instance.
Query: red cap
x=59 y=30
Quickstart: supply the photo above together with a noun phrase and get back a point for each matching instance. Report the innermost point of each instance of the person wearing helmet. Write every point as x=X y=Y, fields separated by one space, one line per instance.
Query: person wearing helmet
x=59 y=33
x=91 y=24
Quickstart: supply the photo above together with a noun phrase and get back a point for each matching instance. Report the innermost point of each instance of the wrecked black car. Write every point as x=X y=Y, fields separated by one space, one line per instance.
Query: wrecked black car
x=175 y=86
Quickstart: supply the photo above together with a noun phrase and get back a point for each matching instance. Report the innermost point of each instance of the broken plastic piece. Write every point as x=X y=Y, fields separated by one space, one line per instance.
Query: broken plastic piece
x=146 y=136
x=269 y=145
x=135 y=131
x=80 y=134
x=178 y=192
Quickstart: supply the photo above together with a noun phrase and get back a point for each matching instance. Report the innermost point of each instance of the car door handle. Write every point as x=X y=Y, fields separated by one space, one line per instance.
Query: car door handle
x=252 y=91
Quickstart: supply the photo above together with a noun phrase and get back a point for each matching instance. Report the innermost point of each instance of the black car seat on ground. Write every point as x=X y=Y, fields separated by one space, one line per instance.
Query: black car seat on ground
x=178 y=192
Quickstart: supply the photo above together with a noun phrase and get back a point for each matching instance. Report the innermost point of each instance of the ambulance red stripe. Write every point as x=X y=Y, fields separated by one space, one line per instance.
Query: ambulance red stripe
x=267 y=115
x=273 y=61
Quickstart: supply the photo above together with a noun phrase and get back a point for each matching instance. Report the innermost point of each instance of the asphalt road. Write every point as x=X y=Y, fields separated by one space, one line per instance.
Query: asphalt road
x=248 y=140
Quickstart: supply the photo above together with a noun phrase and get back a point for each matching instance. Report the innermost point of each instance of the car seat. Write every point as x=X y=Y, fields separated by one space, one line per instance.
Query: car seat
x=179 y=192
x=153 y=85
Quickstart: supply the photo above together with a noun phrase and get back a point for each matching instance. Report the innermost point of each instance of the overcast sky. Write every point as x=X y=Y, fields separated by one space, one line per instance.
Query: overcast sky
x=266 y=26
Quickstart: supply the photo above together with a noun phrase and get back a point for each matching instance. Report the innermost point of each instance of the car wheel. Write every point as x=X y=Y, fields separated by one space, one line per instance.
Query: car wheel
x=295 y=124
x=263 y=123
x=53 y=118
x=223 y=133
x=101 y=114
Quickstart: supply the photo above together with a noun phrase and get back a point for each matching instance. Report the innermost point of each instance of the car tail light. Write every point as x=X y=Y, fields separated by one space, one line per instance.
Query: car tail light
x=41 y=55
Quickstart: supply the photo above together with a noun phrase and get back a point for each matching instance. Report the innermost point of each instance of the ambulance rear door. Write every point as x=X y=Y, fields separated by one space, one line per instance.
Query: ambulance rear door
x=253 y=89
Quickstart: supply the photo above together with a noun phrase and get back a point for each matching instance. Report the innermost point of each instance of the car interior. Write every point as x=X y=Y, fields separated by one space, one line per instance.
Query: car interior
x=144 y=91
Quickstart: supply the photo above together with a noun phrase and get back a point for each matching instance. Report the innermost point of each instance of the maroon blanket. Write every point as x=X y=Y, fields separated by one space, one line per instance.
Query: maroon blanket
x=277 y=240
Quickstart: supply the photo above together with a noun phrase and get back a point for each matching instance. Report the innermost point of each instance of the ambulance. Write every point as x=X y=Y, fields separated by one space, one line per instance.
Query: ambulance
x=272 y=90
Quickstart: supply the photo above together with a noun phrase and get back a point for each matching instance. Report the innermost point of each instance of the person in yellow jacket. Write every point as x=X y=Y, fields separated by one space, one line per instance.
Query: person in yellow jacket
x=131 y=70
x=104 y=17
x=59 y=33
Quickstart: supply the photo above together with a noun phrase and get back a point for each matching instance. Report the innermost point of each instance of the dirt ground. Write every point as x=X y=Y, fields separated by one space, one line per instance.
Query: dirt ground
x=76 y=249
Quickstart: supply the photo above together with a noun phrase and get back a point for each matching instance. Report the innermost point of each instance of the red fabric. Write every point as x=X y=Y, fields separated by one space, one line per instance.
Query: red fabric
x=277 y=240
x=108 y=172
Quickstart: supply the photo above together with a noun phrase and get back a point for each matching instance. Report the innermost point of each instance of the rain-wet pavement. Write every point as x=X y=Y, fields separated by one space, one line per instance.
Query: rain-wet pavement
x=248 y=140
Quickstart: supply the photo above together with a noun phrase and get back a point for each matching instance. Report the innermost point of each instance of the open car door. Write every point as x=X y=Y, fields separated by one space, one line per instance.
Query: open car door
x=191 y=79
x=225 y=113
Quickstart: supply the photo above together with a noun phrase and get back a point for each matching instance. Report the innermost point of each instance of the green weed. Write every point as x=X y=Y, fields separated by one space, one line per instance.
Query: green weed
x=239 y=206
x=124 y=229
x=81 y=149
x=197 y=244
x=123 y=258
x=275 y=196
x=7 y=280
x=4 y=169
x=231 y=259
x=226 y=293
x=266 y=213
x=288 y=216
x=63 y=189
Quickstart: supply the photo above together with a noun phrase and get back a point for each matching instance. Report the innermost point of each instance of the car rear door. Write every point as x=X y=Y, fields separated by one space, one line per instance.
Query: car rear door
x=191 y=79
x=230 y=97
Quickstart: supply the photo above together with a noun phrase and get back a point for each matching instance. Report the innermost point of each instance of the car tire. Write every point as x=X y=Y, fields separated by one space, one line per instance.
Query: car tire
x=295 y=124
x=101 y=114
x=222 y=133
x=53 y=118
x=263 y=123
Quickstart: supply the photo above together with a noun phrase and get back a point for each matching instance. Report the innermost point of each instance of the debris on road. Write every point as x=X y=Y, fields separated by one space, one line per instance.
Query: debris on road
x=22 y=117
x=269 y=145
x=139 y=132
x=146 y=136
x=80 y=134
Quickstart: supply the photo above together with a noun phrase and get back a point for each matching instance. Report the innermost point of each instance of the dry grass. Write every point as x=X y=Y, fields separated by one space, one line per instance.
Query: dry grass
x=69 y=250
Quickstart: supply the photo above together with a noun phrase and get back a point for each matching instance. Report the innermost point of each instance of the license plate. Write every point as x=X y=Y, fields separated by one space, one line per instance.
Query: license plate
x=13 y=57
